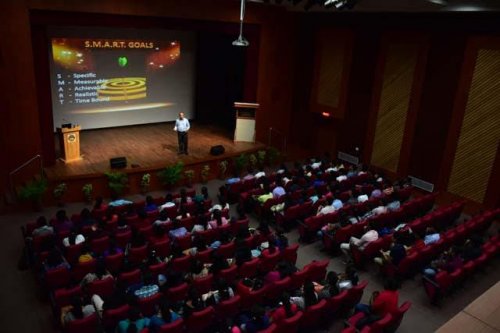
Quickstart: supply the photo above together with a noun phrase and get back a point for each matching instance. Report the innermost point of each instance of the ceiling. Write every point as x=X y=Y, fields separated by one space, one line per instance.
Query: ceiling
x=396 y=5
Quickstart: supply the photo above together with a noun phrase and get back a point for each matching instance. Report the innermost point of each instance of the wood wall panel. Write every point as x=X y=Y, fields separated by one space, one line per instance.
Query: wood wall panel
x=480 y=131
x=333 y=48
x=398 y=78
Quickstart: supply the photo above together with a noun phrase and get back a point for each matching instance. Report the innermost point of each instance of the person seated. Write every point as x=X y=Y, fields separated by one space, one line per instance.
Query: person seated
x=86 y=254
x=394 y=203
x=242 y=253
x=101 y=273
x=169 y=202
x=78 y=309
x=147 y=288
x=261 y=199
x=285 y=310
x=376 y=193
x=278 y=192
x=192 y=303
x=255 y=321
x=42 y=228
x=349 y=278
x=260 y=173
x=197 y=270
x=113 y=248
x=55 y=260
x=327 y=209
x=309 y=296
x=184 y=198
x=134 y=323
x=381 y=303
x=431 y=236
x=369 y=236
x=150 y=205
x=86 y=218
x=472 y=248
x=162 y=219
x=74 y=238
x=218 y=220
x=329 y=287
x=99 y=204
x=394 y=255
x=183 y=213
x=137 y=239
x=120 y=202
x=62 y=223
x=159 y=233
x=177 y=231
x=218 y=263
x=165 y=315
x=222 y=293
x=117 y=298
x=362 y=198
x=198 y=243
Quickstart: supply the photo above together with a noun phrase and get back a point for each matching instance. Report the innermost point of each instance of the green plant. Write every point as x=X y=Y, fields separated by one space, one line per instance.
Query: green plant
x=252 y=160
x=205 y=172
x=261 y=156
x=189 y=175
x=240 y=163
x=171 y=174
x=87 y=192
x=34 y=190
x=273 y=155
x=117 y=182
x=145 y=180
x=60 y=190
x=223 y=168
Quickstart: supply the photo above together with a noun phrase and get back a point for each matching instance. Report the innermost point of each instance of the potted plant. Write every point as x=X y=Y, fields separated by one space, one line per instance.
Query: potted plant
x=223 y=168
x=87 y=192
x=261 y=157
x=240 y=163
x=33 y=191
x=59 y=192
x=189 y=175
x=252 y=160
x=145 y=182
x=205 y=172
x=171 y=174
x=117 y=182
x=273 y=156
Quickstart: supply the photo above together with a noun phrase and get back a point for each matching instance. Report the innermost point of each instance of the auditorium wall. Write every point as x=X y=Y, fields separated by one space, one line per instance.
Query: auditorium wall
x=404 y=119
x=21 y=95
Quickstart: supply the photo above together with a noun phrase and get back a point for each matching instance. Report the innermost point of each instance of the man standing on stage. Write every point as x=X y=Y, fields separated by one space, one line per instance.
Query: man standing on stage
x=182 y=127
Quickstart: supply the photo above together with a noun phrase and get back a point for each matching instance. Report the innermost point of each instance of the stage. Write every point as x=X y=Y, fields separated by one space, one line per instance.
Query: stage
x=148 y=148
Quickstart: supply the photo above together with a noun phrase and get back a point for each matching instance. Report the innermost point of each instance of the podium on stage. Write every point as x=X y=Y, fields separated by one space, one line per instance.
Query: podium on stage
x=69 y=139
x=245 y=121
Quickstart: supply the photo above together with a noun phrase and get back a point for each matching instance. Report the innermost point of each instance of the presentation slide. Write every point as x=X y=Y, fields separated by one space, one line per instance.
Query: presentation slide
x=121 y=77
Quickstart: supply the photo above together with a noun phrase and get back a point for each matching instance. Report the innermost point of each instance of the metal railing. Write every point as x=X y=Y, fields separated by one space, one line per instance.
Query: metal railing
x=283 y=137
x=22 y=166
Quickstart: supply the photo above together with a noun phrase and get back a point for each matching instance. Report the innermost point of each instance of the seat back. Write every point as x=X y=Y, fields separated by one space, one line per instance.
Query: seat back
x=103 y=288
x=291 y=325
x=84 y=325
x=111 y=318
x=114 y=262
x=228 y=308
x=63 y=296
x=204 y=284
x=179 y=293
x=148 y=304
x=57 y=278
x=200 y=320
x=290 y=253
x=130 y=278
x=181 y=264
x=313 y=315
x=136 y=255
x=173 y=327
x=250 y=268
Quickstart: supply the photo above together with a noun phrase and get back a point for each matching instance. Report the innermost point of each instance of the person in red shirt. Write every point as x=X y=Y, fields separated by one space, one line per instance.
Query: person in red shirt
x=381 y=303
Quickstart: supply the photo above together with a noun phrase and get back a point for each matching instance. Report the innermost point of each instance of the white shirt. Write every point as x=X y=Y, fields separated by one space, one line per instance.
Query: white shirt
x=363 y=198
x=368 y=237
x=166 y=205
x=182 y=125
x=326 y=210
x=341 y=178
x=260 y=174
x=79 y=239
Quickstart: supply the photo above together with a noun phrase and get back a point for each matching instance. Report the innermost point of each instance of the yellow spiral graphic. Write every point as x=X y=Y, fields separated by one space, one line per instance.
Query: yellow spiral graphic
x=123 y=89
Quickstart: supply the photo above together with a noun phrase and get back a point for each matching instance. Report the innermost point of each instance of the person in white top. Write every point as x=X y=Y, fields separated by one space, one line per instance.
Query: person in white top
x=74 y=238
x=182 y=127
x=369 y=236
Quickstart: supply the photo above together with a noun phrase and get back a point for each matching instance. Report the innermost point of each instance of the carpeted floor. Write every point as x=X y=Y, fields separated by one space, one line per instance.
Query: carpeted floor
x=24 y=309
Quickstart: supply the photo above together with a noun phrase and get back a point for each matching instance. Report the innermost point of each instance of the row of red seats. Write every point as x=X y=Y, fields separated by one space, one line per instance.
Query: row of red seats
x=441 y=217
x=389 y=323
x=417 y=259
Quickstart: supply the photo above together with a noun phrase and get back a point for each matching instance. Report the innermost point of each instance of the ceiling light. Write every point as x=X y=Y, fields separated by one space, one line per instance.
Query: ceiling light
x=241 y=41
x=439 y=2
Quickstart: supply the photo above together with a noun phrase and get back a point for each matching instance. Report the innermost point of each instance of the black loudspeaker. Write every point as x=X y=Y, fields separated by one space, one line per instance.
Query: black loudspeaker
x=118 y=162
x=217 y=150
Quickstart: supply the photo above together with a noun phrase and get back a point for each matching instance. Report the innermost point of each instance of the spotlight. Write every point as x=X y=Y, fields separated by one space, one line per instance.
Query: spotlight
x=439 y=2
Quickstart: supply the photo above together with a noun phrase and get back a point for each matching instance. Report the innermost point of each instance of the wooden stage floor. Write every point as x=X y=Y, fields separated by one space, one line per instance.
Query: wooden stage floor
x=146 y=147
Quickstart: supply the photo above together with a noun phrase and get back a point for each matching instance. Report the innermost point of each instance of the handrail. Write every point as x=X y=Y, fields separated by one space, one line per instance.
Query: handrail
x=278 y=132
x=22 y=166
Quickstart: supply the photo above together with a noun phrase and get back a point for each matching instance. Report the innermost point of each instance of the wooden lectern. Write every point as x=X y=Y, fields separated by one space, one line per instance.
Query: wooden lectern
x=245 y=121
x=69 y=139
